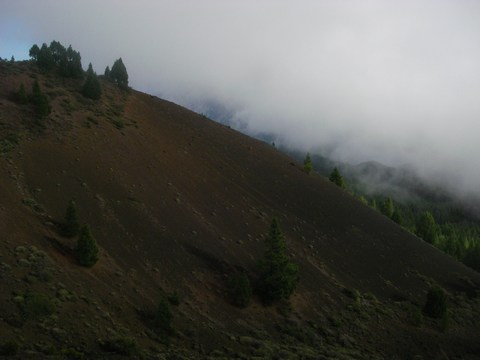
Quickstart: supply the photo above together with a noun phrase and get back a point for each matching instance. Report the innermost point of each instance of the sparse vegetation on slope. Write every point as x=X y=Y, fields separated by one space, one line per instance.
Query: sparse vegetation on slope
x=165 y=229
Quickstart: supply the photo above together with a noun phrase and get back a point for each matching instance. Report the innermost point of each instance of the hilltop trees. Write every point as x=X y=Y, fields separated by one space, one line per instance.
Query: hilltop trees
x=118 y=74
x=91 y=88
x=278 y=275
x=67 y=61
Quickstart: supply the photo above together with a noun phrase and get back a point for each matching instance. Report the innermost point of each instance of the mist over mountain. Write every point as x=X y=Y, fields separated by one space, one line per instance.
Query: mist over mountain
x=395 y=82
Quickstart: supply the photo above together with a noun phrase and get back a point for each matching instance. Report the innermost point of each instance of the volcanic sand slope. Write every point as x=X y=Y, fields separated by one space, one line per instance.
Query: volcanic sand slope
x=177 y=203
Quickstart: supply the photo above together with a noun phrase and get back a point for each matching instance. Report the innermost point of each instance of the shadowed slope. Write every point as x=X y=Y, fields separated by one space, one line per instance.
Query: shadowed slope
x=178 y=202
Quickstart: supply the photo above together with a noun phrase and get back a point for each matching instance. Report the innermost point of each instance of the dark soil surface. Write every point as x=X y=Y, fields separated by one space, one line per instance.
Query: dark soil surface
x=177 y=203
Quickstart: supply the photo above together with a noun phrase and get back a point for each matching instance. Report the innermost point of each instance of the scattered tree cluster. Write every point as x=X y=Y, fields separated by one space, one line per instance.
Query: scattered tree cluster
x=452 y=230
x=66 y=60
x=37 y=98
x=86 y=250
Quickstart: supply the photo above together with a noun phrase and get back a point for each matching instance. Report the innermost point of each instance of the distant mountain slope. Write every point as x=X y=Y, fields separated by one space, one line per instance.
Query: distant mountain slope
x=177 y=203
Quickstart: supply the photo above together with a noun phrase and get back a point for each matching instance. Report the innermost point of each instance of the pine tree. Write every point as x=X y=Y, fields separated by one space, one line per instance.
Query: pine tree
x=21 y=95
x=40 y=100
x=278 y=275
x=397 y=217
x=87 y=250
x=107 y=73
x=91 y=88
x=119 y=74
x=388 y=208
x=71 y=226
x=33 y=53
x=44 y=58
x=337 y=178
x=427 y=228
x=57 y=50
x=307 y=164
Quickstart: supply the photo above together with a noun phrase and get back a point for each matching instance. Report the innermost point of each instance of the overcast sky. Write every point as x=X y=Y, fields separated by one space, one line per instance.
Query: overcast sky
x=392 y=81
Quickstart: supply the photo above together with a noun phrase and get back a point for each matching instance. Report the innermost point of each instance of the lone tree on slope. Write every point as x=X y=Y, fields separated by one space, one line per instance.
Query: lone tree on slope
x=40 y=100
x=278 y=275
x=87 y=249
x=337 y=178
x=307 y=164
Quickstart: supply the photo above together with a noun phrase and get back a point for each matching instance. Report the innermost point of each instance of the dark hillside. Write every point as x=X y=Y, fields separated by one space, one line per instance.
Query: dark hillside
x=177 y=203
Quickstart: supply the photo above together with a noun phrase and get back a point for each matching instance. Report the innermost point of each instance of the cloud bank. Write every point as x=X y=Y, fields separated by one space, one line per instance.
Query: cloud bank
x=392 y=81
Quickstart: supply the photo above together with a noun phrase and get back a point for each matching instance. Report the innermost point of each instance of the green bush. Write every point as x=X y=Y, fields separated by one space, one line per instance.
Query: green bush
x=21 y=95
x=38 y=305
x=163 y=318
x=436 y=303
x=239 y=289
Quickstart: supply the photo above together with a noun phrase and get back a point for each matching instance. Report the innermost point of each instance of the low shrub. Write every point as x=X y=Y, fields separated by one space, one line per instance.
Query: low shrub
x=38 y=305
x=239 y=289
x=436 y=303
x=122 y=346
